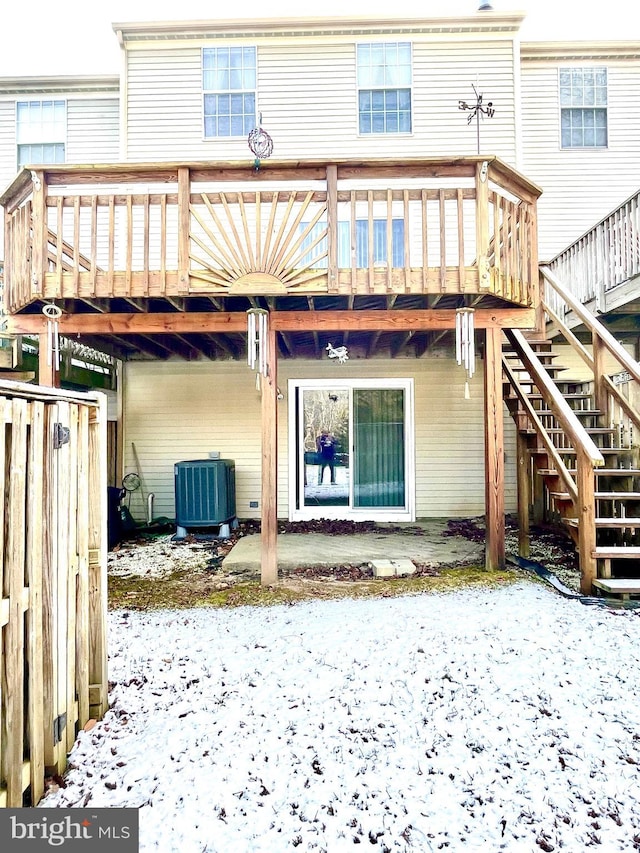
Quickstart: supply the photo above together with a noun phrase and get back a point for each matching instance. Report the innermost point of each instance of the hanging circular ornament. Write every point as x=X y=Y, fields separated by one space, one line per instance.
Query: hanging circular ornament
x=260 y=143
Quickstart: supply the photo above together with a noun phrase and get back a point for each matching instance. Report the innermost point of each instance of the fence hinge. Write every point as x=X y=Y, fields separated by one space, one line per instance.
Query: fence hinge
x=61 y=435
x=59 y=725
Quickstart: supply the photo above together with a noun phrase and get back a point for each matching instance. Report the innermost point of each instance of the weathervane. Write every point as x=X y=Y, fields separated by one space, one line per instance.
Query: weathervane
x=341 y=353
x=478 y=111
x=260 y=144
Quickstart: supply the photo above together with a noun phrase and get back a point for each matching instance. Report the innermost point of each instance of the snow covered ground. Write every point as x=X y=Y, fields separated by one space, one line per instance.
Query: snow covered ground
x=480 y=720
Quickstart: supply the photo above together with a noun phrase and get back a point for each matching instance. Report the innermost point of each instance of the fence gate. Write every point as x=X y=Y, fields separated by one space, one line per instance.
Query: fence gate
x=53 y=562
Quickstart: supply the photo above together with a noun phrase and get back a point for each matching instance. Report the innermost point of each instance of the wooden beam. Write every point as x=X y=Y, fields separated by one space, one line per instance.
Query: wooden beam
x=283 y=321
x=269 y=513
x=494 y=451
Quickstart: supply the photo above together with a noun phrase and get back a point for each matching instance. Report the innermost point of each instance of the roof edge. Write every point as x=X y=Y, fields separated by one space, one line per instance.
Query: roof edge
x=579 y=49
x=67 y=82
x=484 y=21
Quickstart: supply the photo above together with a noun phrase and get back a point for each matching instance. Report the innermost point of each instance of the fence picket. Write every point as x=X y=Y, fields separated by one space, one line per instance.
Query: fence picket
x=53 y=571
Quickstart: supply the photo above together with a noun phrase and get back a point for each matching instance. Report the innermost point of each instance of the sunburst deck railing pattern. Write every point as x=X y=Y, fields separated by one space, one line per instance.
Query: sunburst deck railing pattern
x=459 y=226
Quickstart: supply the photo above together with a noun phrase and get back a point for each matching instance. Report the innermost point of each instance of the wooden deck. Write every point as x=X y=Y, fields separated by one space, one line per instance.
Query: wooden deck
x=464 y=227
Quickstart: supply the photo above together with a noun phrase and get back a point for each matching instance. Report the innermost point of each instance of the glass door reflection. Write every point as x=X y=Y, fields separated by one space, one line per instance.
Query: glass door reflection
x=325 y=446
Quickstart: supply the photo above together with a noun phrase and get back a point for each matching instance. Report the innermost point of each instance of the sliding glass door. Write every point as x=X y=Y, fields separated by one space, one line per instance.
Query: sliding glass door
x=351 y=452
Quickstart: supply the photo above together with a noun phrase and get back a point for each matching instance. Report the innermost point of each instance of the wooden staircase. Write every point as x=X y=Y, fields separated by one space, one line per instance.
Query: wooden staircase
x=570 y=455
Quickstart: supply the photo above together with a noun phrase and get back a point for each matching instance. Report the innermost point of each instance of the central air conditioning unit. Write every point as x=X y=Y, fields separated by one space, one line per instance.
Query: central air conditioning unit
x=205 y=493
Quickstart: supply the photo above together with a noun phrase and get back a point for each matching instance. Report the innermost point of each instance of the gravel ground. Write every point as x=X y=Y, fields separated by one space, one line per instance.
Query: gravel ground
x=158 y=556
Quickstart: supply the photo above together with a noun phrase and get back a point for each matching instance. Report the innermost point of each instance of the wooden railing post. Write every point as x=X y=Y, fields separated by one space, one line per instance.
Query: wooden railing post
x=184 y=223
x=585 y=481
x=482 y=224
x=40 y=239
x=269 y=516
x=332 y=227
x=97 y=548
x=601 y=396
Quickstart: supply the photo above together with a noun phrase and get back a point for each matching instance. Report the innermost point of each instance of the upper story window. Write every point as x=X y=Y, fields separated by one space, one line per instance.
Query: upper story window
x=583 y=107
x=41 y=131
x=384 y=87
x=229 y=83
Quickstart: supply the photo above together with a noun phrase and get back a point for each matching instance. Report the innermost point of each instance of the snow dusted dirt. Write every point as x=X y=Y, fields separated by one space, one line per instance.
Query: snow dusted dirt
x=480 y=720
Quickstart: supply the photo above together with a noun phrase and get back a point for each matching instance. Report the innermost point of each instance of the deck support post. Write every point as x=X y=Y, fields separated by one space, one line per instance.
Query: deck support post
x=269 y=516
x=494 y=451
x=523 y=483
x=47 y=373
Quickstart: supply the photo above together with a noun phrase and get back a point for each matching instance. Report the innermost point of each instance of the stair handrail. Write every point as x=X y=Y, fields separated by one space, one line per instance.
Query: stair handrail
x=595 y=327
x=565 y=415
x=543 y=435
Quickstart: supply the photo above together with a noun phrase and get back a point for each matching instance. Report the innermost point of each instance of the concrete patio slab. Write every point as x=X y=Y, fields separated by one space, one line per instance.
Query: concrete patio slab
x=423 y=542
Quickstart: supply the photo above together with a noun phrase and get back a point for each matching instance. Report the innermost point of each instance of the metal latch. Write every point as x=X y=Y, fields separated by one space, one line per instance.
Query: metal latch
x=59 y=725
x=61 y=435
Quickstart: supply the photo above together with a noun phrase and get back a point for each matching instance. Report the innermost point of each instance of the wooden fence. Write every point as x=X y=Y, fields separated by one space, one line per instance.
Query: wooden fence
x=53 y=546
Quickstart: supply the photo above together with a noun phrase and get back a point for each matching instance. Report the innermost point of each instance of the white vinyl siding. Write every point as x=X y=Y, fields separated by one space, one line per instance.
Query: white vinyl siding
x=307 y=95
x=174 y=411
x=7 y=142
x=580 y=185
x=93 y=130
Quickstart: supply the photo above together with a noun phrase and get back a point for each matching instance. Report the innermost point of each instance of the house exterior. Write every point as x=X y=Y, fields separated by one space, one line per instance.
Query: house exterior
x=388 y=213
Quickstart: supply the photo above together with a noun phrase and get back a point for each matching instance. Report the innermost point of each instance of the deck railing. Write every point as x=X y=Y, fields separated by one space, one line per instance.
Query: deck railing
x=618 y=407
x=462 y=226
x=605 y=257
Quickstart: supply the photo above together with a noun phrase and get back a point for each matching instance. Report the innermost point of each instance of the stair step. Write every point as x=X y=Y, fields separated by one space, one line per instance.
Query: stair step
x=551 y=369
x=618 y=586
x=607 y=522
x=601 y=496
x=579 y=413
x=616 y=552
x=590 y=430
x=617 y=496
x=571 y=451
x=584 y=396
x=599 y=472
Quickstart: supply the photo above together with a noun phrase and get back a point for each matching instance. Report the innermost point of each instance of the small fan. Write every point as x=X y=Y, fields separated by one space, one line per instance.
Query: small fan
x=131 y=482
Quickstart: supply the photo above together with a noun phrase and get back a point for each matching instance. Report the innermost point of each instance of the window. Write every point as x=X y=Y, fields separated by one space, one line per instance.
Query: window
x=583 y=107
x=41 y=131
x=229 y=83
x=362 y=244
x=384 y=87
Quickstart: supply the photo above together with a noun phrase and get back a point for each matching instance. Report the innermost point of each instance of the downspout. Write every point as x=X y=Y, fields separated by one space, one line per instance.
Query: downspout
x=124 y=99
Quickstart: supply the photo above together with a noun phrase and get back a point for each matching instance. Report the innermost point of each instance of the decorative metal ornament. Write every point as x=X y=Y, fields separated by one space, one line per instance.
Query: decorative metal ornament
x=465 y=343
x=341 y=353
x=53 y=313
x=257 y=342
x=260 y=144
x=477 y=111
